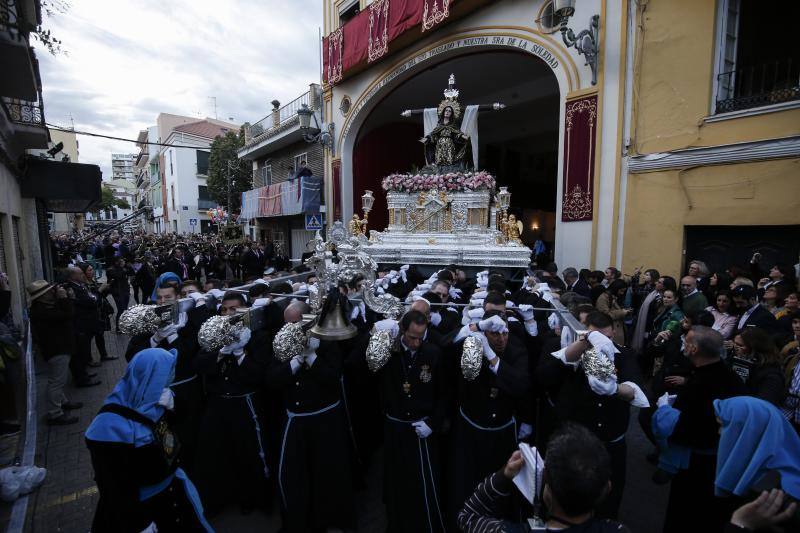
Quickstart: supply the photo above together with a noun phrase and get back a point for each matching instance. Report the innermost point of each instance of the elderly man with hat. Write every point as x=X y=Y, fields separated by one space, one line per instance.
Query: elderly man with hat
x=52 y=322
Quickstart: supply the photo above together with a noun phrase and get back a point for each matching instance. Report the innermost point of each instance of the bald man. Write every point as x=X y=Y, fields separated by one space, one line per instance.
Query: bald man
x=694 y=301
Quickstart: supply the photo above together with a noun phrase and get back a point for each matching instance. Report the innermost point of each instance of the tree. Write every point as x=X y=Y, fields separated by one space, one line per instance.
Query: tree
x=108 y=200
x=44 y=35
x=223 y=161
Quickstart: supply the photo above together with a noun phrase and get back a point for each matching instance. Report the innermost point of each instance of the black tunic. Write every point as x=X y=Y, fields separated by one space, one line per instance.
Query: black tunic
x=120 y=471
x=231 y=462
x=188 y=388
x=315 y=459
x=412 y=481
x=485 y=426
x=692 y=491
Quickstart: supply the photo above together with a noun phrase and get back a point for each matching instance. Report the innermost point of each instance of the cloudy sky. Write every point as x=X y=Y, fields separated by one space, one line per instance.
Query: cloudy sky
x=128 y=60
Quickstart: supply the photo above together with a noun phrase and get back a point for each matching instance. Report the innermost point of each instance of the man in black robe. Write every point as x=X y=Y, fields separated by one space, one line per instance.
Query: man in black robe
x=692 y=490
x=603 y=406
x=231 y=461
x=315 y=458
x=414 y=394
x=485 y=426
x=187 y=387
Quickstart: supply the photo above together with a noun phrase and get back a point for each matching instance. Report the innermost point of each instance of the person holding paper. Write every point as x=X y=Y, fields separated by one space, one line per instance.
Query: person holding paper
x=598 y=399
x=572 y=480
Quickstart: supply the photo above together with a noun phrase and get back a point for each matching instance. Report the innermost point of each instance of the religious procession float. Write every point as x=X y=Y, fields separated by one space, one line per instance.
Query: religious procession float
x=447 y=212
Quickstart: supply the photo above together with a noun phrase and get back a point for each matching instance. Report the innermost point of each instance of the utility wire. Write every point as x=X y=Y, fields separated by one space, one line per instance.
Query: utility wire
x=58 y=128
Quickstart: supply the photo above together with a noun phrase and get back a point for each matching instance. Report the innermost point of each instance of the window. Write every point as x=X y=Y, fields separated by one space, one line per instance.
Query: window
x=172 y=193
x=267 y=174
x=758 y=60
x=299 y=159
x=170 y=163
x=548 y=20
x=347 y=11
x=202 y=162
x=202 y=192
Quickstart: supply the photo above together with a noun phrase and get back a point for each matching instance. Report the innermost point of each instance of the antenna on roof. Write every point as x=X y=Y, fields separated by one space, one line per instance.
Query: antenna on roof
x=215 y=106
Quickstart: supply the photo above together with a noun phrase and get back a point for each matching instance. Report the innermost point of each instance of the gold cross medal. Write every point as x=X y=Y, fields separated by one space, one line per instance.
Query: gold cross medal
x=406 y=387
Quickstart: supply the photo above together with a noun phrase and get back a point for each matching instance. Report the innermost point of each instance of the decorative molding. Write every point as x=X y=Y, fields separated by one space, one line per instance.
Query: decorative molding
x=335 y=45
x=378 y=30
x=752 y=112
x=725 y=154
x=433 y=13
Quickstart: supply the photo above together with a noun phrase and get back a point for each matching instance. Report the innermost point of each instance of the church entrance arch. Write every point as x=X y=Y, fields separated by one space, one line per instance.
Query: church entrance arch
x=520 y=145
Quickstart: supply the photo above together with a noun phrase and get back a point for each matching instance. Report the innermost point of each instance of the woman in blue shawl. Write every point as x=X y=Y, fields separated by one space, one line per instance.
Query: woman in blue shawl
x=134 y=454
x=758 y=450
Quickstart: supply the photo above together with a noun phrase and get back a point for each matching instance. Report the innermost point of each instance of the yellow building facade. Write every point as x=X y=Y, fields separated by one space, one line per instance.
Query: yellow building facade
x=695 y=142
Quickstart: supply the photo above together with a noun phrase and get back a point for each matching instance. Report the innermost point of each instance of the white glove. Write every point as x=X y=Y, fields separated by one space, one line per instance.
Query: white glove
x=436 y=319
x=296 y=362
x=260 y=302
x=422 y=429
x=198 y=297
x=310 y=351
x=389 y=325
x=488 y=353
x=424 y=286
x=358 y=310
x=479 y=294
x=526 y=311
x=237 y=347
x=525 y=431
x=603 y=388
x=164 y=332
x=494 y=323
x=554 y=321
x=217 y=293
x=666 y=399
x=473 y=316
x=454 y=293
x=476 y=302
x=167 y=399
x=152 y=528
x=603 y=344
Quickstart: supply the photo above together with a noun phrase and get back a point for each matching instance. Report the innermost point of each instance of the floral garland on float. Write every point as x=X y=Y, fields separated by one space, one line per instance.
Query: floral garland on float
x=451 y=182
x=218 y=215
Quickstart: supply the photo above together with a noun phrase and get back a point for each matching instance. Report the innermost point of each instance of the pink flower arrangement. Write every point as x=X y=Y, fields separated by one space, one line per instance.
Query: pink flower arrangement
x=452 y=182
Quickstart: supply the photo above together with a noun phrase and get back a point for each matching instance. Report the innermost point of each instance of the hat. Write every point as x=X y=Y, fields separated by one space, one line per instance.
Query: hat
x=745 y=291
x=38 y=288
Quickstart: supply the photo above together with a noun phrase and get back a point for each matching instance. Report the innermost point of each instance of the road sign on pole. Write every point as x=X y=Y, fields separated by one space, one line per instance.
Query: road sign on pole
x=192 y=221
x=313 y=222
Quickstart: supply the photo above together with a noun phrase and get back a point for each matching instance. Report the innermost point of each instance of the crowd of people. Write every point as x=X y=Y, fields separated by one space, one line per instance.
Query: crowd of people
x=710 y=361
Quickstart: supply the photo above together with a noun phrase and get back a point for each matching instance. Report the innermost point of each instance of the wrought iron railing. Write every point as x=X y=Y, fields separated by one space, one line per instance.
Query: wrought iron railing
x=759 y=85
x=24 y=113
x=285 y=114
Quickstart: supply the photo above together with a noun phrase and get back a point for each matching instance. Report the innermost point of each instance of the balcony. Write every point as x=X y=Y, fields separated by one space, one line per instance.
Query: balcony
x=281 y=127
x=17 y=19
x=28 y=120
x=756 y=86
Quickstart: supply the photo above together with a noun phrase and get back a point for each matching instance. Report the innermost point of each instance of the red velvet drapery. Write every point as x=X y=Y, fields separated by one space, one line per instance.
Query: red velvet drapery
x=580 y=130
x=390 y=148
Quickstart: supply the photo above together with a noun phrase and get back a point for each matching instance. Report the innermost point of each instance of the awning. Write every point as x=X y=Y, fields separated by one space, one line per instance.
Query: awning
x=64 y=187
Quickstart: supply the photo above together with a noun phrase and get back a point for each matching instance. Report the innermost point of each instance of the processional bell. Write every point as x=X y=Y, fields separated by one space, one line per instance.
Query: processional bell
x=333 y=326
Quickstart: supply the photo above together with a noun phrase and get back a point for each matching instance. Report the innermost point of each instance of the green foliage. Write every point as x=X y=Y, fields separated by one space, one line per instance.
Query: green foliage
x=108 y=200
x=224 y=161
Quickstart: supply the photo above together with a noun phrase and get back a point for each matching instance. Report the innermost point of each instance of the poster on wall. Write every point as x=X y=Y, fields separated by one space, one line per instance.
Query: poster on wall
x=580 y=119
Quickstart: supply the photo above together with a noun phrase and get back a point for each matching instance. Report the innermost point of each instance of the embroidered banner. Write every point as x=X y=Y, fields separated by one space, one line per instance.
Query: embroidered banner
x=378 y=30
x=337 y=189
x=580 y=118
x=434 y=12
x=334 y=57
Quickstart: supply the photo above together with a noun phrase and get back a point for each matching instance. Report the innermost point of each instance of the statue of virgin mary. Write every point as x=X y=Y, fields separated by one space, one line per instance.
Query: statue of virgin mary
x=447 y=148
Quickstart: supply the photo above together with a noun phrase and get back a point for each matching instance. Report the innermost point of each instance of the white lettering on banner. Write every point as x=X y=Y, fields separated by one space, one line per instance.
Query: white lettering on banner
x=488 y=40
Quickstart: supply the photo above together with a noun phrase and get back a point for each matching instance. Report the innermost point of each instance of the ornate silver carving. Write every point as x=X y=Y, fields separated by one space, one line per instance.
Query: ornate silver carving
x=471 y=358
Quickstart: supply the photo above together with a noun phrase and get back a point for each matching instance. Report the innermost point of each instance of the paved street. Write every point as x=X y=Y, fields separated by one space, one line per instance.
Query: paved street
x=67 y=499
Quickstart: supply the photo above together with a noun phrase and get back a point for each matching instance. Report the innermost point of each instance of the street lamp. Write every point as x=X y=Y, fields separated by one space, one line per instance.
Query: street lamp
x=586 y=42
x=504 y=197
x=366 y=205
x=315 y=134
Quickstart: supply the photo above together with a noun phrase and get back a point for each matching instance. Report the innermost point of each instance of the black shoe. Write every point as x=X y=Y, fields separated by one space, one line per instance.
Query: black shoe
x=87 y=383
x=8 y=429
x=71 y=406
x=62 y=420
x=109 y=358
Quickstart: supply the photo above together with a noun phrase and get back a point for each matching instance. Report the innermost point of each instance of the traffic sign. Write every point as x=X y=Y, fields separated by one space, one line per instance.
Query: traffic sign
x=314 y=222
x=192 y=221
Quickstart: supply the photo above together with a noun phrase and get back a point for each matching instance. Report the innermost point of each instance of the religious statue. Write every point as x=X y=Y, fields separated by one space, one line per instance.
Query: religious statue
x=448 y=146
x=513 y=230
x=356 y=226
